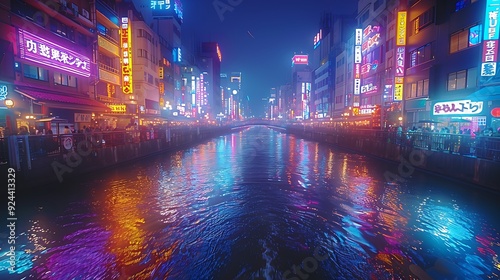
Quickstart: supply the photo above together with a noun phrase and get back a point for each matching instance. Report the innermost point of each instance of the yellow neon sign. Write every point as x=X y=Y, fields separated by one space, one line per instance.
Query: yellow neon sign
x=401 y=29
x=126 y=46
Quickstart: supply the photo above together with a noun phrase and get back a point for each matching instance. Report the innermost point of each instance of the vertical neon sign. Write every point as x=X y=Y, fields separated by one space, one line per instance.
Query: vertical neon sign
x=400 y=56
x=358 y=41
x=490 y=39
x=126 y=45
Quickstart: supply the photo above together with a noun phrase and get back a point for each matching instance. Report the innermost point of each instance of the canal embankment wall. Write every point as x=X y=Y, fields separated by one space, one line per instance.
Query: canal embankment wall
x=82 y=157
x=456 y=165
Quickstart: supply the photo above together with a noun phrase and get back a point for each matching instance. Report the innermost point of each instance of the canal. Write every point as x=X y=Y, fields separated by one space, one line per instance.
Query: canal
x=256 y=204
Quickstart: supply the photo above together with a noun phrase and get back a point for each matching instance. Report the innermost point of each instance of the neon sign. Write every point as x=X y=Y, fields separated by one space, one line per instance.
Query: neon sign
x=317 y=38
x=42 y=51
x=491 y=27
x=357 y=54
x=401 y=29
x=177 y=54
x=178 y=9
x=4 y=91
x=160 y=5
x=126 y=45
x=300 y=59
x=371 y=37
x=400 y=61
x=358 y=40
x=490 y=36
x=459 y=107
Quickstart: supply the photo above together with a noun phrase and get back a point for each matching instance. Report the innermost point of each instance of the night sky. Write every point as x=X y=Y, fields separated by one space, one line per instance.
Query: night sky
x=278 y=28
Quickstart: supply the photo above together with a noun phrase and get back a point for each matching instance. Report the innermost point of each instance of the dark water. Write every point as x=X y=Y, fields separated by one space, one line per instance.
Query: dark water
x=257 y=204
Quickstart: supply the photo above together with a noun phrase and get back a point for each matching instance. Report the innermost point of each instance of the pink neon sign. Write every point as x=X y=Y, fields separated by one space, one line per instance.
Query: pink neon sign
x=42 y=51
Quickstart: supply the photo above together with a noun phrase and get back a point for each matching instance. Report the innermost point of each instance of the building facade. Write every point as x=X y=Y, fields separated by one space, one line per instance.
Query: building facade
x=53 y=65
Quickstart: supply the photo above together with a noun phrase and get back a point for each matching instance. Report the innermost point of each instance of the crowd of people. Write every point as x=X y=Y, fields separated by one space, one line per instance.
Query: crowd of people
x=487 y=131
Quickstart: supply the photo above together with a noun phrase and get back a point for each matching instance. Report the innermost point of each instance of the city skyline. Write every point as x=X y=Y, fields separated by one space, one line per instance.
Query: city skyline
x=248 y=45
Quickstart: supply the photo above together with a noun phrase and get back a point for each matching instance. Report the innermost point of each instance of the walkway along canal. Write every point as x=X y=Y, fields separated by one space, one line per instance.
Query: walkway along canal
x=461 y=157
x=51 y=159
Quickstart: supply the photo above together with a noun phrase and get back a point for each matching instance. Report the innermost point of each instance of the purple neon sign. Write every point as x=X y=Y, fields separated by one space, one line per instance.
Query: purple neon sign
x=39 y=50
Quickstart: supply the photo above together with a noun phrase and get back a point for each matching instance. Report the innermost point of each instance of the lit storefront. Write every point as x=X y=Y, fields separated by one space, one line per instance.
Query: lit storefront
x=7 y=109
x=459 y=115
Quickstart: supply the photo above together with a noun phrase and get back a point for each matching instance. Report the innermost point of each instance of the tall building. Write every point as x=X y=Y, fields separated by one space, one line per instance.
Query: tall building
x=273 y=104
x=165 y=19
x=108 y=88
x=459 y=47
x=283 y=93
x=210 y=61
x=235 y=96
x=322 y=90
x=53 y=68
x=298 y=102
x=140 y=60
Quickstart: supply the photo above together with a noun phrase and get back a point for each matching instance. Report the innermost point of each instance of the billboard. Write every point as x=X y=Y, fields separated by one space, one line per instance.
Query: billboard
x=358 y=41
x=126 y=51
x=401 y=29
x=458 y=107
x=490 y=37
x=39 y=50
x=317 y=38
x=300 y=59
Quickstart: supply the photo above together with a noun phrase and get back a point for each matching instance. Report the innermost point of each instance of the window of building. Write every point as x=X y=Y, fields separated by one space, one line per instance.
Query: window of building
x=460 y=4
x=338 y=99
x=419 y=89
x=421 y=55
x=142 y=53
x=457 y=80
x=61 y=29
x=64 y=80
x=365 y=16
x=465 y=38
x=377 y=4
x=423 y=20
x=36 y=73
x=472 y=77
x=144 y=34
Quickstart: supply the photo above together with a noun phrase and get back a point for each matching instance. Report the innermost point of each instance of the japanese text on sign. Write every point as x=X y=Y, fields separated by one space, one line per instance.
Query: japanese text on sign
x=460 y=107
x=42 y=51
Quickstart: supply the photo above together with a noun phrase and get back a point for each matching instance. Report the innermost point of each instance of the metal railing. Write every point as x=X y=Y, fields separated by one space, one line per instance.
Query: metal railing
x=20 y=150
x=486 y=147
x=34 y=147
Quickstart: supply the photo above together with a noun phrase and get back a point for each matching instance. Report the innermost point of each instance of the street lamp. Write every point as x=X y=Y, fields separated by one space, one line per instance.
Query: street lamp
x=9 y=103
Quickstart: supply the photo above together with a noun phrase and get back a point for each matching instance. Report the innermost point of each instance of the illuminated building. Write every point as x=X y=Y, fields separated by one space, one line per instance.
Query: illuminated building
x=298 y=101
x=450 y=73
x=210 y=64
x=144 y=69
x=165 y=19
x=52 y=72
x=109 y=54
x=329 y=92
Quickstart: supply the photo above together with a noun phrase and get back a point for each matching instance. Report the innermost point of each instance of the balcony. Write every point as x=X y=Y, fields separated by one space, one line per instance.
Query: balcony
x=65 y=15
x=108 y=46
x=109 y=74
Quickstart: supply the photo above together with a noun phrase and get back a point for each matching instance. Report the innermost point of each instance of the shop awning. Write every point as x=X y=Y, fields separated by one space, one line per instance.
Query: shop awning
x=57 y=100
x=488 y=93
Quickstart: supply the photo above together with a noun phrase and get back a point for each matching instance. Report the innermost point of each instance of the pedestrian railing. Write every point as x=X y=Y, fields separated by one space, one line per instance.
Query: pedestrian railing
x=19 y=150
x=486 y=147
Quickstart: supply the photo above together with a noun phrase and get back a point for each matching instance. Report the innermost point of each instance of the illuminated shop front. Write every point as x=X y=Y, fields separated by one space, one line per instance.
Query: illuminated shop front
x=460 y=114
x=61 y=75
